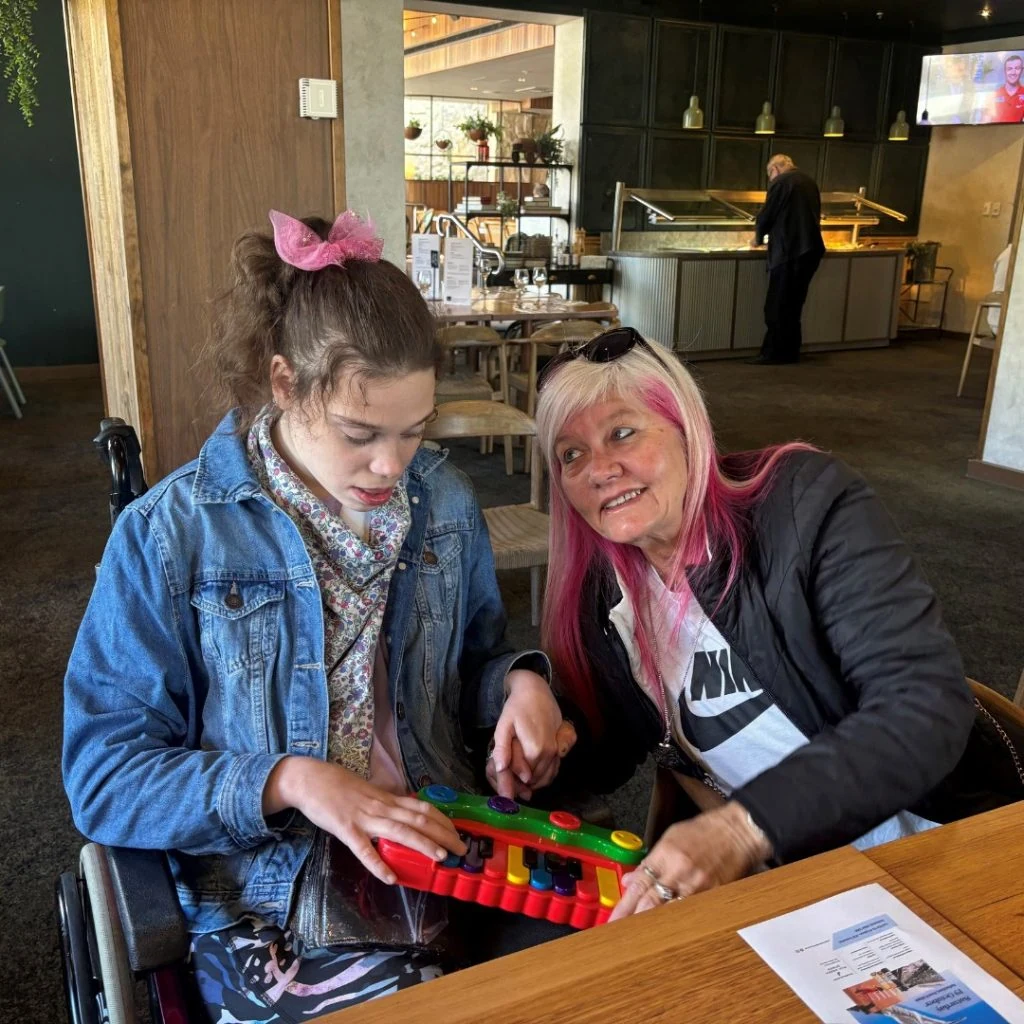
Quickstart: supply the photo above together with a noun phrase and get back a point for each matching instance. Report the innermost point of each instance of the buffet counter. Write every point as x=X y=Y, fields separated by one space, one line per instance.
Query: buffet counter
x=709 y=303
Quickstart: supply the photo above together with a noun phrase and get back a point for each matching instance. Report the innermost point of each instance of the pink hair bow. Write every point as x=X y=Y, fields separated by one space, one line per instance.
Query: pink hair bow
x=349 y=239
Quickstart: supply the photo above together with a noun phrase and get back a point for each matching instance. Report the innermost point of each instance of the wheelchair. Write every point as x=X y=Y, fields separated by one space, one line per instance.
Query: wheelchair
x=118 y=915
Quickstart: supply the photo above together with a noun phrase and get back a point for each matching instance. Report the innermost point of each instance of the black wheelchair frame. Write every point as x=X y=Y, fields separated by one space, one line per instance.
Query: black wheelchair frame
x=118 y=915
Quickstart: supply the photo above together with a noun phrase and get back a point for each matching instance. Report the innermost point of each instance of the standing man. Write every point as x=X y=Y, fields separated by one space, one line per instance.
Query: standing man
x=1008 y=101
x=791 y=218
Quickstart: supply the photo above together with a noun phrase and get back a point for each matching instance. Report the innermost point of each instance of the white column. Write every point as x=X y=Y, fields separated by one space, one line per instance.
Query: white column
x=372 y=87
x=567 y=106
x=1003 y=444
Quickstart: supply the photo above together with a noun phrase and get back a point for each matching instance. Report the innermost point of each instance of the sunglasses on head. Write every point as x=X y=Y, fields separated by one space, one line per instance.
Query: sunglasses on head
x=605 y=348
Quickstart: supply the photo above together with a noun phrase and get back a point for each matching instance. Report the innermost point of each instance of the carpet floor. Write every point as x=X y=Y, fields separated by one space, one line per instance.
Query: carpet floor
x=891 y=413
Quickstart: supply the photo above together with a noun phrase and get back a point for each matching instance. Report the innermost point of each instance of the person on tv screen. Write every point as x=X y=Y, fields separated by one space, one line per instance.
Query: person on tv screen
x=1008 y=101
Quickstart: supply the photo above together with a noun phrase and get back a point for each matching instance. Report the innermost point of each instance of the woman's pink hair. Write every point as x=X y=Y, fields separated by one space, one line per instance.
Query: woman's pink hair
x=716 y=506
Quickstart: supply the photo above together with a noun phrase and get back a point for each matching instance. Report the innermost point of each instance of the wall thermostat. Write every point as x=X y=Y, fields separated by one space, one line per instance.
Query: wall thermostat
x=318 y=97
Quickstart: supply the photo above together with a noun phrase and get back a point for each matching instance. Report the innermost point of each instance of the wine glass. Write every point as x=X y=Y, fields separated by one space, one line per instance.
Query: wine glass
x=540 y=278
x=521 y=279
x=424 y=281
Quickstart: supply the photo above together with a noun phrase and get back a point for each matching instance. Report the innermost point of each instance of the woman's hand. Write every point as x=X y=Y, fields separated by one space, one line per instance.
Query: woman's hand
x=530 y=738
x=355 y=812
x=716 y=847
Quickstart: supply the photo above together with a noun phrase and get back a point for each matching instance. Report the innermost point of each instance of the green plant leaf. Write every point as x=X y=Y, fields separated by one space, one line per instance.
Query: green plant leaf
x=20 y=55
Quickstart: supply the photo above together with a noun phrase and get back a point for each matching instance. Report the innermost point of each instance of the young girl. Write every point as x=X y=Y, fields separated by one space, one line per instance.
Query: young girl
x=295 y=631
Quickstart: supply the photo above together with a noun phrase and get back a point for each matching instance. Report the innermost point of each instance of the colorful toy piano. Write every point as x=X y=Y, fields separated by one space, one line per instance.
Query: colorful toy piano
x=547 y=864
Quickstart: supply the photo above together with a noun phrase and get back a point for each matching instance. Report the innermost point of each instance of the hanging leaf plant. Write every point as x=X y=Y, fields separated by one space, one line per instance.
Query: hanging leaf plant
x=19 y=54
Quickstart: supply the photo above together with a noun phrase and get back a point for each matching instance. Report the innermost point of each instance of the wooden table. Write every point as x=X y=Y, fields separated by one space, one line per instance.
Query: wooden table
x=501 y=304
x=686 y=962
x=972 y=873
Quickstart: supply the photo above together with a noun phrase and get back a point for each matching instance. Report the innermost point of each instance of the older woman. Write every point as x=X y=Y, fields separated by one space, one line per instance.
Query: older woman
x=754 y=620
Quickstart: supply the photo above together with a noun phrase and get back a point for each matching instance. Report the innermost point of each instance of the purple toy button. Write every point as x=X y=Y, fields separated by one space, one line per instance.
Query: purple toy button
x=503 y=805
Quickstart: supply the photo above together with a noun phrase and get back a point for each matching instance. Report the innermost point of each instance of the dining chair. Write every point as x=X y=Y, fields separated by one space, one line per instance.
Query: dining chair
x=486 y=374
x=519 y=533
x=12 y=389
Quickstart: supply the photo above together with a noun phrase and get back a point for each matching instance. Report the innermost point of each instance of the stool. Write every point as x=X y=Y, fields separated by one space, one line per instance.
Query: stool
x=12 y=389
x=994 y=300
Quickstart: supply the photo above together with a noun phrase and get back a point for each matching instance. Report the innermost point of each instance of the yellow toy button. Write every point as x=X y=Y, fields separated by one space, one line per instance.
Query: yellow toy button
x=627 y=840
x=518 y=872
x=607 y=885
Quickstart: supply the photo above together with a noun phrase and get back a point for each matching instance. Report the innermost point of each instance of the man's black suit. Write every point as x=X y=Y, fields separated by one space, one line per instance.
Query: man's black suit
x=791 y=217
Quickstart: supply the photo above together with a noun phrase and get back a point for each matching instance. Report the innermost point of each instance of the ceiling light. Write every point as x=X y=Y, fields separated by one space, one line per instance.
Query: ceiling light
x=835 y=126
x=413 y=33
x=899 y=131
x=693 y=116
x=986 y=11
x=433 y=21
x=765 y=123
x=474 y=88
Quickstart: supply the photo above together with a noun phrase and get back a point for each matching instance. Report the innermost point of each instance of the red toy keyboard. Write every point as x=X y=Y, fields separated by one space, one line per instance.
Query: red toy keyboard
x=539 y=863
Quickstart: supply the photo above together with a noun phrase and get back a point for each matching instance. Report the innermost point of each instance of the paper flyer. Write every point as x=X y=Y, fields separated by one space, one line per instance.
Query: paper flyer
x=864 y=956
x=426 y=258
x=458 y=271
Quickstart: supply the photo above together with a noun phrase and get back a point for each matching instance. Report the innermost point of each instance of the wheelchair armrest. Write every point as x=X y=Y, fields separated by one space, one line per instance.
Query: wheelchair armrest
x=151 y=918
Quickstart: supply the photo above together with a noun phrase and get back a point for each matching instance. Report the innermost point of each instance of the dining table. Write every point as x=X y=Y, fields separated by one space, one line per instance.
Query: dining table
x=506 y=305
x=686 y=962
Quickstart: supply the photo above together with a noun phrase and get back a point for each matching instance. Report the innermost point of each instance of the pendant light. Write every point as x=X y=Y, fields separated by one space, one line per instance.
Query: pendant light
x=693 y=116
x=765 y=123
x=899 y=130
x=835 y=126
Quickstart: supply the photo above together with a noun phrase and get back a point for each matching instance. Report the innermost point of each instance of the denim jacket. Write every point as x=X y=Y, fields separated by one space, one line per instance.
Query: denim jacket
x=199 y=665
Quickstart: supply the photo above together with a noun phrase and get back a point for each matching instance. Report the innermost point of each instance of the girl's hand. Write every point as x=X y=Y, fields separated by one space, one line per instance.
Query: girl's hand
x=716 y=847
x=356 y=812
x=530 y=738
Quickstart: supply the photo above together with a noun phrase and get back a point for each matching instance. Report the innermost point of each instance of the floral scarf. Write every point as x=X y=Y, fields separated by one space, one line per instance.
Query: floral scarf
x=353 y=576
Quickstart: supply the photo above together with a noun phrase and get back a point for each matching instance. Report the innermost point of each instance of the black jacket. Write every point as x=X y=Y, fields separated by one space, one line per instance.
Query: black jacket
x=831 y=616
x=791 y=217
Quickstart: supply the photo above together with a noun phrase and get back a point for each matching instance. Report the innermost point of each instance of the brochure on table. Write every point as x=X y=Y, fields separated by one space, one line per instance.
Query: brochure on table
x=864 y=956
x=458 y=271
x=426 y=258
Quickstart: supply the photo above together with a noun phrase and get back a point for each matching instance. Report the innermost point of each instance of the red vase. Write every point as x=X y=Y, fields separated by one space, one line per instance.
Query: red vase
x=483 y=152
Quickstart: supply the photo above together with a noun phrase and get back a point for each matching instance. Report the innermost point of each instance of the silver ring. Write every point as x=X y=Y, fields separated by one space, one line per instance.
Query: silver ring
x=665 y=892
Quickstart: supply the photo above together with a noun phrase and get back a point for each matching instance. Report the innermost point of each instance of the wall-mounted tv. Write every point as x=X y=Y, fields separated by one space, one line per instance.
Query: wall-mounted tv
x=972 y=88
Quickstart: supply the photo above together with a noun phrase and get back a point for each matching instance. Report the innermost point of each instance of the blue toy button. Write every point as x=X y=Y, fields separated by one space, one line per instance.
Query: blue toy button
x=503 y=805
x=441 y=794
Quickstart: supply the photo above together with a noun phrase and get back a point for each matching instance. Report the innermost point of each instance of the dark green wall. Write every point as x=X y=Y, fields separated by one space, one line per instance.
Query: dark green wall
x=44 y=263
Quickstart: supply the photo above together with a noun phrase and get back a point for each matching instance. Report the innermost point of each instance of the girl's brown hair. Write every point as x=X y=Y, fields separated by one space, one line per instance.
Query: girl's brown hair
x=360 y=322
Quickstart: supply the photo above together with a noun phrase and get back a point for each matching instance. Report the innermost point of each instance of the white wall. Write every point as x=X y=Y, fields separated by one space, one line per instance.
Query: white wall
x=567 y=104
x=373 y=98
x=968 y=166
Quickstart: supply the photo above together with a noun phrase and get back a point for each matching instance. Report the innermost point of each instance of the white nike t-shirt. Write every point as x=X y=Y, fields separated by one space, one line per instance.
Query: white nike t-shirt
x=725 y=722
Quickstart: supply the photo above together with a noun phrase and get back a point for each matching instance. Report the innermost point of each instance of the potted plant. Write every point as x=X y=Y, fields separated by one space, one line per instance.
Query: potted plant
x=507 y=205
x=19 y=55
x=479 y=128
x=413 y=130
x=550 y=148
x=923 y=257
x=443 y=142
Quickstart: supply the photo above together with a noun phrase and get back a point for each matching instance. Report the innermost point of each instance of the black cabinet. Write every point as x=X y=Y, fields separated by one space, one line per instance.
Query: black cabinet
x=848 y=166
x=677 y=159
x=802 y=93
x=682 y=66
x=901 y=170
x=617 y=64
x=746 y=65
x=904 y=85
x=738 y=164
x=807 y=154
x=859 y=86
x=609 y=155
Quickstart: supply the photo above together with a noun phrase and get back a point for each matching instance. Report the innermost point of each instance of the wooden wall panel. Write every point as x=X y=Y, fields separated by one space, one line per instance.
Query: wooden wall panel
x=859 y=85
x=682 y=66
x=617 y=69
x=801 y=97
x=746 y=66
x=108 y=192
x=678 y=159
x=610 y=155
x=738 y=164
x=900 y=185
x=848 y=167
x=807 y=154
x=216 y=142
